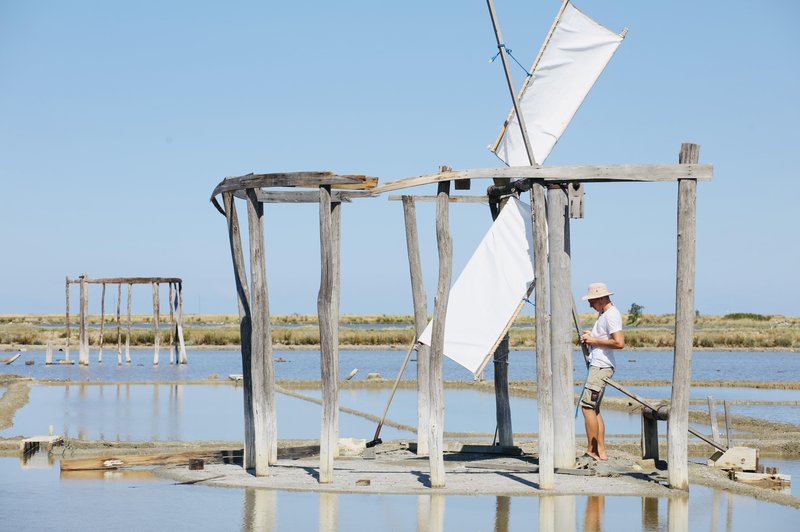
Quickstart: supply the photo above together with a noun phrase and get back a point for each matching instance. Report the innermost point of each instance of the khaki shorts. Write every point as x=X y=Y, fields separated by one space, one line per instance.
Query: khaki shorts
x=595 y=387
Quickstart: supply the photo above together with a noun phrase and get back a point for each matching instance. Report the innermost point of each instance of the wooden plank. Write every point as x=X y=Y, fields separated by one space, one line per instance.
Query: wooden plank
x=678 y=425
x=649 y=439
x=129 y=280
x=565 y=174
x=451 y=199
x=263 y=379
x=420 y=302
x=102 y=323
x=742 y=458
x=294 y=179
x=445 y=248
x=727 y=423
x=121 y=461
x=83 y=355
x=156 y=333
x=561 y=327
x=304 y=196
x=544 y=384
x=245 y=326
x=326 y=338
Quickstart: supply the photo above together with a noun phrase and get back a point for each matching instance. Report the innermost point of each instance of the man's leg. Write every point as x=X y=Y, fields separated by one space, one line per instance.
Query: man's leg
x=592 y=431
x=601 y=437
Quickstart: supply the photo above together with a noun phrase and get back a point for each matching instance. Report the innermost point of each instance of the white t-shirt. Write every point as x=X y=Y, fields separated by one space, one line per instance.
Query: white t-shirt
x=607 y=323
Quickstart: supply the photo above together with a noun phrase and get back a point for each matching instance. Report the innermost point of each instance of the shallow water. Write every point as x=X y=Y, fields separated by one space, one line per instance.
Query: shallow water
x=44 y=499
x=638 y=365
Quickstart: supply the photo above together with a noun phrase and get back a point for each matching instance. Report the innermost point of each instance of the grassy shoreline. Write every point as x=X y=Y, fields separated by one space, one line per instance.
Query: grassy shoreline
x=652 y=332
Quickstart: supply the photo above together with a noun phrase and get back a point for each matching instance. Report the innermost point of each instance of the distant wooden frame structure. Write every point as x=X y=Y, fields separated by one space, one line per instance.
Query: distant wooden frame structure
x=175 y=317
x=261 y=442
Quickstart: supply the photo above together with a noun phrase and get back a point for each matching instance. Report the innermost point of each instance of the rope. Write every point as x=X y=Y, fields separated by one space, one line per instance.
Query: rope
x=502 y=47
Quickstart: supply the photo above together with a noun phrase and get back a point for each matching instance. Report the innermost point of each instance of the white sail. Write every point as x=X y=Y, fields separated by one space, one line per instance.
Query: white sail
x=575 y=56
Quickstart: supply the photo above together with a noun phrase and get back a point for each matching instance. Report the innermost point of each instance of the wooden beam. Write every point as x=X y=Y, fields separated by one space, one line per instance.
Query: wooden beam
x=171 y=324
x=128 y=335
x=544 y=385
x=420 y=302
x=129 y=280
x=445 y=247
x=336 y=252
x=327 y=337
x=561 y=326
x=565 y=174
x=505 y=432
x=245 y=326
x=263 y=379
x=451 y=199
x=102 y=323
x=304 y=196
x=181 y=344
x=678 y=457
x=119 y=330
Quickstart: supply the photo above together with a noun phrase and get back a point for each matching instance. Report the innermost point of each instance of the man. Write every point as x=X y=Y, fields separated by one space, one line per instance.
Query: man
x=603 y=339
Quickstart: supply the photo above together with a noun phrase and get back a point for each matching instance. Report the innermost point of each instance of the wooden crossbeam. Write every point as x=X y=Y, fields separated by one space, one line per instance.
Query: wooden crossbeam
x=565 y=174
x=128 y=280
x=453 y=199
x=305 y=196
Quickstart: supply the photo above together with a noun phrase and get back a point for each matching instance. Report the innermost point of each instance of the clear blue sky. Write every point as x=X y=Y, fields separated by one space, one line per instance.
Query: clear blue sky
x=117 y=119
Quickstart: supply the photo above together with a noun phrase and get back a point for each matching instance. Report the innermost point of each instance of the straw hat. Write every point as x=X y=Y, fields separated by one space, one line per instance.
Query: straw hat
x=597 y=290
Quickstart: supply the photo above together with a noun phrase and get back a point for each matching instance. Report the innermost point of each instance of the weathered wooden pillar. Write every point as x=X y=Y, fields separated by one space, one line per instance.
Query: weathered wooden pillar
x=181 y=345
x=245 y=326
x=156 y=333
x=561 y=327
x=420 y=322
x=171 y=324
x=83 y=356
x=544 y=390
x=436 y=382
x=119 y=331
x=128 y=331
x=263 y=379
x=66 y=349
x=678 y=425
x=48 y=355
x=502 y=401
x=327 y=338
x=102 y=323
x=336 y=249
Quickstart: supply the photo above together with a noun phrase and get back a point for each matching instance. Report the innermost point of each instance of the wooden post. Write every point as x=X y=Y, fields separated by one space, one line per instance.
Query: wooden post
x=327 y=337
x=181 y=345
x=727 y=423
x=119 y=331
x=83 y=355
x=48 y=355
x=678 y=424
x=156 y=334
x=420 y=322
x=263 y=378
x=102 y=323
x=128 y=335
x=436 y=383
x=171 y=325
x=502 y=400
x=245 y=326
x=66 y=349
x=560 y=327
x=544 y=389
x=336 y=243
x=712 y=414
x=649 y=439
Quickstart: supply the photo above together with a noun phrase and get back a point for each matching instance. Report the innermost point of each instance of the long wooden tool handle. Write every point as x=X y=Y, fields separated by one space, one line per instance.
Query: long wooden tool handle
x=577 y=322
x=394 y=388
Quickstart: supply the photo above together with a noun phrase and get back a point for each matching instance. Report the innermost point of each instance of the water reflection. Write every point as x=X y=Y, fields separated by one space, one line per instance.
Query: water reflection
x=593 y=516
x=260 y=510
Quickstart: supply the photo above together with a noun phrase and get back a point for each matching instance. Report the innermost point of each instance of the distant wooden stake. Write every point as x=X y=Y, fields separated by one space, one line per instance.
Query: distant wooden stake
x=261 y=354
x=171 y=325
x=66 y=350
x=128 y=331
x=678 y=425
x=83 y=355
x=712 y=414
x=327 y=338
x=727 y=423
x=181 y=345
x=119 y=331
x=156 y=333
x=420 y=322
x=102 y=323
x=245 y=326
x=445 y=246
x=48 y=355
